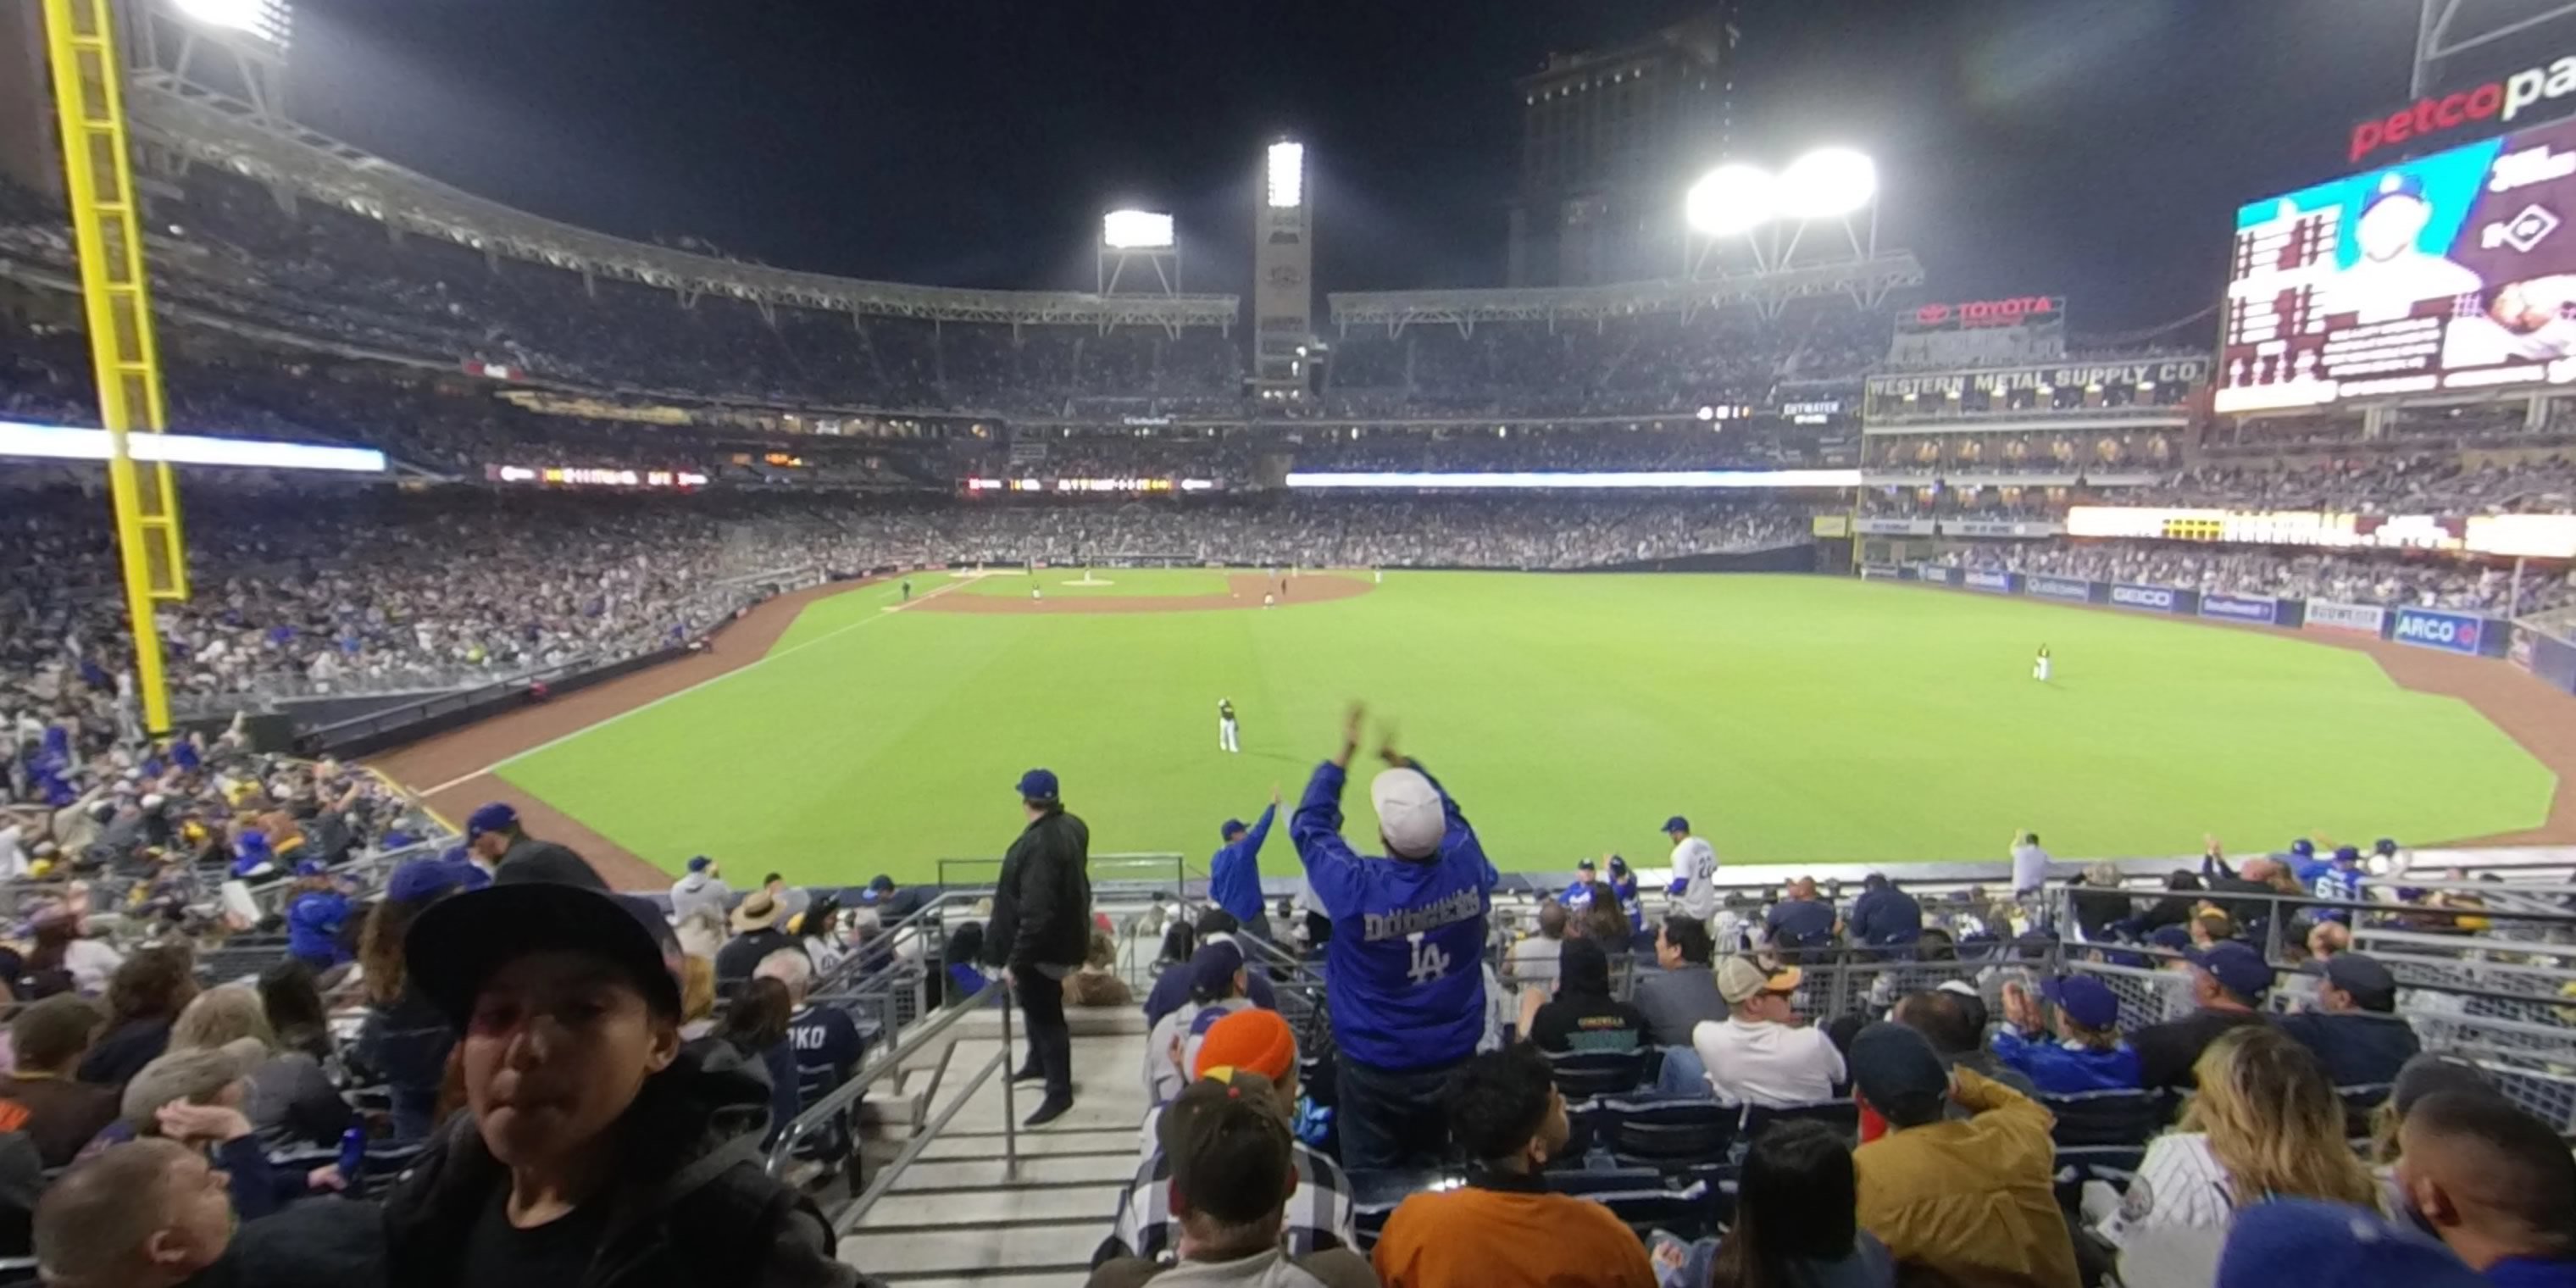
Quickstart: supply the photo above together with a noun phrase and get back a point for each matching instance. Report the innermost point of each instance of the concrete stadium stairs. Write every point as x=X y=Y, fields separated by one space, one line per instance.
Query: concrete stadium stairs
x=958 y=1218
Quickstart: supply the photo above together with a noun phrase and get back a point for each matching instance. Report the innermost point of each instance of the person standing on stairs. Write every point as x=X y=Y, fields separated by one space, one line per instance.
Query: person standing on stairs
x=1040 y=929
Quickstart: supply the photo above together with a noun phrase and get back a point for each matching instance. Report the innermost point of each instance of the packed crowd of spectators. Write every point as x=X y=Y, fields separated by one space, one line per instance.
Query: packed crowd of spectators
x=2415 y=483
x=2394 y=579
x=1696 y=446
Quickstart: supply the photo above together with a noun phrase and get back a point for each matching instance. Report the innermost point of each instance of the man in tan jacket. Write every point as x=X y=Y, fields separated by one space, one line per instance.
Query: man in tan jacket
x=1956 y=1200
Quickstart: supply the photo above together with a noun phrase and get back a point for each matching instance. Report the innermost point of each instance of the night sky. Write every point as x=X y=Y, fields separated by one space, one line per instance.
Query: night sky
x=2091 y=147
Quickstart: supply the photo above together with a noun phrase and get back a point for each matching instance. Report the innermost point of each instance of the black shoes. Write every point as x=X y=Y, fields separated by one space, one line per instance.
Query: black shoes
x=1048 y=1112
x=1029 y=1073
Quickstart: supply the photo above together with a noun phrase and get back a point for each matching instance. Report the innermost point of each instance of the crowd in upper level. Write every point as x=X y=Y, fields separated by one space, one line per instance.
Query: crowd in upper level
x=2394 y=578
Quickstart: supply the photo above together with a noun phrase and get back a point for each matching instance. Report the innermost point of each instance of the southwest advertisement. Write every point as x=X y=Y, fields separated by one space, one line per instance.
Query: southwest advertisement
x=2450 y=271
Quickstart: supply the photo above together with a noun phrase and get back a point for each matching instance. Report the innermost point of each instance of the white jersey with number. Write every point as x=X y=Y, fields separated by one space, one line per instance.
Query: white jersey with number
x=1695 y=863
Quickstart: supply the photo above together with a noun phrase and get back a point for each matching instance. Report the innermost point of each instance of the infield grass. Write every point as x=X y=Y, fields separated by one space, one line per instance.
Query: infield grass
x=1792 y=718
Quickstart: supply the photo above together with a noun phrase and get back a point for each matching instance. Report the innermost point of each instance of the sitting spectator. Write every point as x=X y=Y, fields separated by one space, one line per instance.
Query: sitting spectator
x=1957 y=1036
x=895 y=904
x=2423 y=1076
x=961 y=978
x=2089 y=1053
x=316 y=913
x=2290 y=1241
x=2228 y=981
x=791 y=900
x=697 y=997
x=292 y=1102
x=196 y=1098
x=1885 y=917
x=293 y=1003
x=2495 y=1184
x=1956 y=1200
x=2099 y=905
x=2265 y=1125
x=593 y=1149
x=1795 y=1218
x=2355 y=1029
x=1253 y=1051
x=1171 y=989
x=145 y=996
x=1097 y=983
x=1217 y=989
x=403 y=1040
x=1757 y=1055
x=1683 y=995
x=157 y=1214
x=755 y=936
x=1800 y=923
x=1233 y=1175
x=1504 y=1227
x=493 y=832
x=825 y=1039
x=47 y=1040
x=1597 y=916
x=1583 y=1017
x=2209 y=927
x=2326 y=938
x=755 y=1027
x=701 y=890
x=1533 y=959
x=63 y=944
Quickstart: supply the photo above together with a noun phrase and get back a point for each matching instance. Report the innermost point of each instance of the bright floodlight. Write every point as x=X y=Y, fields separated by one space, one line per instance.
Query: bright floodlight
x=258 y=17
x=1827 y=183
x=1287 y=174
x=1733 y=199
x=1136 y=230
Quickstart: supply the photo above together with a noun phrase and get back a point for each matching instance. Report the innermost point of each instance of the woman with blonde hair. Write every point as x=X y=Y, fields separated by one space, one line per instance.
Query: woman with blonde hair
x=2266 y=1125
x=292 y=1102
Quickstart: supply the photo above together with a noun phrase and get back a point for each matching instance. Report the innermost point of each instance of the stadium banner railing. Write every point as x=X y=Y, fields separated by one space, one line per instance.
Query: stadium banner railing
x=2444 y=630
x=1129 y=874
x=2547 y=654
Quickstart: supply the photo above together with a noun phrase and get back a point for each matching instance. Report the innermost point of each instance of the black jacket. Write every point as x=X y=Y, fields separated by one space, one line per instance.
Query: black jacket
x=2357 y=1048
x=529 y=859
x=322 y=1243
x=1042 y=910
x=692 y=1204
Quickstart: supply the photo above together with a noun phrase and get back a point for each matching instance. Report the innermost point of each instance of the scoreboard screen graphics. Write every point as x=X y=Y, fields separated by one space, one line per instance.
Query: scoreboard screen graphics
x=2455 y=271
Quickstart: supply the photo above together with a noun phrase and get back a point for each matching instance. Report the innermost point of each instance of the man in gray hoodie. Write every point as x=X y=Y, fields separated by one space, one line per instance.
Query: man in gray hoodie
x=703 y=887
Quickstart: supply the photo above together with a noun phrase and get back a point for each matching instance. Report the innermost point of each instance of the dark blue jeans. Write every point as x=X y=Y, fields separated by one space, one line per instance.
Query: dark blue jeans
x=1392 y=1118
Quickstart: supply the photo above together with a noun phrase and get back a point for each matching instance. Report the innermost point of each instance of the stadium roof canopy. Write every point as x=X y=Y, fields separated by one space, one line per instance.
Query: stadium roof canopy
x=216 y=129
x=1864 y=281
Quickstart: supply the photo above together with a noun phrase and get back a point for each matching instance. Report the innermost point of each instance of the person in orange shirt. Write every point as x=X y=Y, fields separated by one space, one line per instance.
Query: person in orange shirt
x=1503 y=1228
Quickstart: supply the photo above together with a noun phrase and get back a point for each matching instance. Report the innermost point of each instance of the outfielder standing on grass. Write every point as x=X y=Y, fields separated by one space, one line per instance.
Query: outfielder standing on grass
x=2039 y=667
x=1226 y=733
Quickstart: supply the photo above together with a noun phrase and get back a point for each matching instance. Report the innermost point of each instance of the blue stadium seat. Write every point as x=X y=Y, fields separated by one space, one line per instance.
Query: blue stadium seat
x=1375 y=1196
x=1581 y=1075
x=2086 y=1118
x=1681 y=1130
x=1842 y=1115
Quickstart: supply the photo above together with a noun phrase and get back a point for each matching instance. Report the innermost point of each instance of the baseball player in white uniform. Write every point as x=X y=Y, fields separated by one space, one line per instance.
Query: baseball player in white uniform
x=1694 y=888
x=2039 y=665
x=1225 y=730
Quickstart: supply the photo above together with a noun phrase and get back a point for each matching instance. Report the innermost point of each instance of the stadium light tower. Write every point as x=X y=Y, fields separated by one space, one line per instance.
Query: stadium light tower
x=236 y=48
x=1771 y=216
x=1128 y=235
x=1284 y=350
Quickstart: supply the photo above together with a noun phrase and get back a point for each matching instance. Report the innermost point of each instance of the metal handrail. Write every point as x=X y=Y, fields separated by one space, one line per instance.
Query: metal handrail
x=822 y=1114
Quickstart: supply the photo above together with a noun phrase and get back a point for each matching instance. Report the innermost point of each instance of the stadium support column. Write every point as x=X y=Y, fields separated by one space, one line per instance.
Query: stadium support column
x=89 y=103
x=1283 y=280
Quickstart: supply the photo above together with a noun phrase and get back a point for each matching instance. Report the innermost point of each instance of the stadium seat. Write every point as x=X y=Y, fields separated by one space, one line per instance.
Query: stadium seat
x=1670 y=1130
x=2087 y=1118
x=2359 y=1103
x=1376 y=1195
x=1584 y=1074
x=1842 y=1115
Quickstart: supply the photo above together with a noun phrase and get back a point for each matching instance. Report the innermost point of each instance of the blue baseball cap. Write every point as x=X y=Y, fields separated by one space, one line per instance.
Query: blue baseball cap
x=310 y=868
x=2307 y=1241
x=1230 y=828
x=2384 y=845
x=1038 y=785
x=2393 y=185
x=1583 y=864
x=1676 y=824
x=490 y=818
x=422 y=880
x=881 y=883
x=2086 y=1000
x=2304 y=848
x=2237 y=968
x=2347 y=854
x=701 y=863
x=1618 y=864
x=1213 y=968
x=252 y=844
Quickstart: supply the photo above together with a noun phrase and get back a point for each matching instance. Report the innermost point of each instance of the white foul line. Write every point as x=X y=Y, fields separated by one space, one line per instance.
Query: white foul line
x=597 y=725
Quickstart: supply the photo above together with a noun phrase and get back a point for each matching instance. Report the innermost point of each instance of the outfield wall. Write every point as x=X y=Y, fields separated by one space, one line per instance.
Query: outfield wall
x=2468 y=634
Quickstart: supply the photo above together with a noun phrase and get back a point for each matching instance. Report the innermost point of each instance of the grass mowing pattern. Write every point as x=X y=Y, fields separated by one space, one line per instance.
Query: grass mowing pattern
x=1791 y=718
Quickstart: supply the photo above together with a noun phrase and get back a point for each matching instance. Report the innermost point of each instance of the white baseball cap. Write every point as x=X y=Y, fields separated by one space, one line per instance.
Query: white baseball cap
x=1409 y=815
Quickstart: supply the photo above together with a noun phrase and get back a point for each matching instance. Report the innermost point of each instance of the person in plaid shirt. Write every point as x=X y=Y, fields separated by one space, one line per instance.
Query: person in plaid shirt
x=1251 y=1051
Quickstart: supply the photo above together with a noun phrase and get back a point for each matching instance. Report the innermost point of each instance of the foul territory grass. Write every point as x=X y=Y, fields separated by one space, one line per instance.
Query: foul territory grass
x=1792 y=718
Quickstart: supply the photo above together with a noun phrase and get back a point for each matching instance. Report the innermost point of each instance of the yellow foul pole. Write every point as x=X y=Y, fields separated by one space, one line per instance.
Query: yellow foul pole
x=89 y=101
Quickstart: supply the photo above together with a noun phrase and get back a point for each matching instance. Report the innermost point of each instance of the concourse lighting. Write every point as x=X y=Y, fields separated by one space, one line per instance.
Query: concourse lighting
x=1287 y=175
x=1136 y=230
x=68 y=443
x=1827 y=183
x=1733 y=199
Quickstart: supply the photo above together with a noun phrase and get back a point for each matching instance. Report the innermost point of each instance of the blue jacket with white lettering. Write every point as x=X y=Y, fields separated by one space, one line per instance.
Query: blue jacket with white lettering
x=1404 y=967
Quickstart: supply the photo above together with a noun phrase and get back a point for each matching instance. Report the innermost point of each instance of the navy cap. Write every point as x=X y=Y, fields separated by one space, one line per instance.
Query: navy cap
x=701 y=863
x=2237 y=968
x=490 y=818
x=2086 y=1000
x=881 y=883
x=422 y=880
x=310 y=868
x=2305 y=1241
x=2384 y=845
x=1230 y=828
x=1038 y=785
x=1213 y=968
x=2347 y=854
x=2304 y=848
x=2170 y=938
x=2370 y=983
x=1896 y=1068
x=1583 y=864
x=1618 y=864
x=1676 y=824
x=2391 y=185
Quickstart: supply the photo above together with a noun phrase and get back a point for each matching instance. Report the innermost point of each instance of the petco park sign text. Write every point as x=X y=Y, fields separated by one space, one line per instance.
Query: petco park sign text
x=2500 y=100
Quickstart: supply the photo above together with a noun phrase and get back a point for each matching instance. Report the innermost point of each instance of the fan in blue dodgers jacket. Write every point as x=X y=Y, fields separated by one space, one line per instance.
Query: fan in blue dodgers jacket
x=1405 y=965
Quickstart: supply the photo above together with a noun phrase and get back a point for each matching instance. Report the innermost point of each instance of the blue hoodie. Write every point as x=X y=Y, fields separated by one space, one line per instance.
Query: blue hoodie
x=313 y=924
x=2063 y=1068
x=1405 y=965
x=1234 y=875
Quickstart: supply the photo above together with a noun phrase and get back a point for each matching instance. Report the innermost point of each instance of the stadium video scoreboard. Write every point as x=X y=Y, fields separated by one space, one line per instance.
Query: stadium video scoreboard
x=2538 y=536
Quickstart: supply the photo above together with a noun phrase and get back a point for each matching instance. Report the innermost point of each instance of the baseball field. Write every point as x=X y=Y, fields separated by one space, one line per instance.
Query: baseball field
x=1792 y=718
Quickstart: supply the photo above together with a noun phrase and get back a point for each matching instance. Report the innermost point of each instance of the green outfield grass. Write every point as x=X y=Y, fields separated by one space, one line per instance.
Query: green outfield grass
x=1792 y=718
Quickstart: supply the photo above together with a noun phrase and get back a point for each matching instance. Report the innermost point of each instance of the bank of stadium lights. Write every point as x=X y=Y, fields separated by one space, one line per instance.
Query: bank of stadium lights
x=265 y=19
x=1136 y=230
x=1735 y=199
x=1287 y=172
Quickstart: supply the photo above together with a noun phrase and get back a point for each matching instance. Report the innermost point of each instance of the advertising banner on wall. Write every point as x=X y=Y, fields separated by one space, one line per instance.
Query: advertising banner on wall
x=2241 y=608
x=1937 y=574
x=2449 y=632
x=2066 y=588
x=2153 y=599
x=2328 y=615
x=2000 y=583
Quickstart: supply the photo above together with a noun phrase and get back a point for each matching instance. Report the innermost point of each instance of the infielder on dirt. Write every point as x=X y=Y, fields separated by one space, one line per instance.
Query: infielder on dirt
x=1225 y=729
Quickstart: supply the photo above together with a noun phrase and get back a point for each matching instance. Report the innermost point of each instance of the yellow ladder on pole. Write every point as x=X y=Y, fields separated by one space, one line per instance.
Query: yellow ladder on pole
x=89 y=102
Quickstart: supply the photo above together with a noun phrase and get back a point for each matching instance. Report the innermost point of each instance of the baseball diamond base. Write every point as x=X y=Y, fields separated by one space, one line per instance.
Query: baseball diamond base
x=1795 y=719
